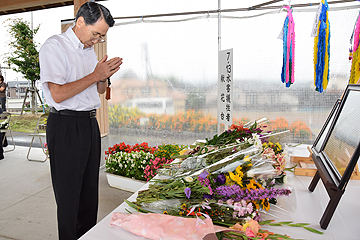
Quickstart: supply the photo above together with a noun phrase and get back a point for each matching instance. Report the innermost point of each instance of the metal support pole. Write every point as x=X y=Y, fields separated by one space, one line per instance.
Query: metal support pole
x=219 y=49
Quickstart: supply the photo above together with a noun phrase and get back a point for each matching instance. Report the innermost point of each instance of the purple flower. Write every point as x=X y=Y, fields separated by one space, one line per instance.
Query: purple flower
x=187 y=192
x=221 y=179
x=207 y=196
x=235 y=193
x=204 y=174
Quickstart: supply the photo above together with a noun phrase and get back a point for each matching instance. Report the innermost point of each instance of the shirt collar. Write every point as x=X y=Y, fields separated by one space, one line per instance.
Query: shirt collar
x=74 y=39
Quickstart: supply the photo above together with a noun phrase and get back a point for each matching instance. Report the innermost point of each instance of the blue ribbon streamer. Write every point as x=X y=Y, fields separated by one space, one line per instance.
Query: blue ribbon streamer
x=320 y=64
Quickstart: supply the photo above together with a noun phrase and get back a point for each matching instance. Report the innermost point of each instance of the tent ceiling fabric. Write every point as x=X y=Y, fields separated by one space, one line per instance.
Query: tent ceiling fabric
x=18 y=6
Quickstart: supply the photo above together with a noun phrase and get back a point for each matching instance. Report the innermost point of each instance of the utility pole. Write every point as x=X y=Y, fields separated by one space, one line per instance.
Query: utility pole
x=148 y=70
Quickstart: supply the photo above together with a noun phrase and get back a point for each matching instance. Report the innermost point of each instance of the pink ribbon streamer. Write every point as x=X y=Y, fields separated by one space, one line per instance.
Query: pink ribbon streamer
x=356 y=35
x=290 y=38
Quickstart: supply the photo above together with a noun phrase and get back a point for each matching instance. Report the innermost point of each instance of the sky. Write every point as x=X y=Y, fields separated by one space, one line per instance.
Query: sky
x=187 y=50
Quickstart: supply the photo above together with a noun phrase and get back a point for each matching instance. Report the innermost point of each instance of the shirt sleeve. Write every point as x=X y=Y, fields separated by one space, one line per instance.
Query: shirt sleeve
x=53 y=62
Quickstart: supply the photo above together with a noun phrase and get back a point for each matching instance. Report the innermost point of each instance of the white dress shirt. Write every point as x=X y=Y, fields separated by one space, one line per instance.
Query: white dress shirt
x=63 y=59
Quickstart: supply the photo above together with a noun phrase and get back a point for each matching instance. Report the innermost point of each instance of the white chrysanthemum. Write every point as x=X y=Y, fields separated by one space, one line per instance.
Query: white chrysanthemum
x=250 y=173
x=257 y=141
x=285 y=180
x=188 y=179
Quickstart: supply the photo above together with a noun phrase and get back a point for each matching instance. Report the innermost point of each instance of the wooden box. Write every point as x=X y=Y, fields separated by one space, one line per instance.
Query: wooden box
x=306 y=167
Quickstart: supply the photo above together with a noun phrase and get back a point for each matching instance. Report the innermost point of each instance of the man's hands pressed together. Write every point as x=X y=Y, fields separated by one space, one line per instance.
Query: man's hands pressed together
x=103 y=70
x=106 y=68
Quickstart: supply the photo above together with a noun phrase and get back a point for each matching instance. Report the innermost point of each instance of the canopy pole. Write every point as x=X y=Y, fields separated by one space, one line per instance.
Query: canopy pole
x=219 y=49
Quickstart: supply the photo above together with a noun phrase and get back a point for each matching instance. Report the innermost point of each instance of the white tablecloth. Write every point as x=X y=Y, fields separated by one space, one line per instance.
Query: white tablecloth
x=309 y=208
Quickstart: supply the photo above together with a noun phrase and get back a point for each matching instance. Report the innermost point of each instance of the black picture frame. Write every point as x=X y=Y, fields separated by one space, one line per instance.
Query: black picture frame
x=336 y=150
x=319 y=141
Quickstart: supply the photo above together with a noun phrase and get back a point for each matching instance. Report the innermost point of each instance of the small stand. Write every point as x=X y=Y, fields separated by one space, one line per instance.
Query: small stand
x=306 y=166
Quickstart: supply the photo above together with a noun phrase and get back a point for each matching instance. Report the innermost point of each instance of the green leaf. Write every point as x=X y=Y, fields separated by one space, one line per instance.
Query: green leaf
x=137 y=208
x=285 y=223
x=220 y=235
x=274 y=224
x=298 y=224
x=265 y=222
x=313 y=230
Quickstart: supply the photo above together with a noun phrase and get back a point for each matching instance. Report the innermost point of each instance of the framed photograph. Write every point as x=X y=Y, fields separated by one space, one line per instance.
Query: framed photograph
x=336 y=149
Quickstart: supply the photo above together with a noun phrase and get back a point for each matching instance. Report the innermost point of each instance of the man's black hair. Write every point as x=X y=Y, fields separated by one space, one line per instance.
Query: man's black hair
x=92 y=12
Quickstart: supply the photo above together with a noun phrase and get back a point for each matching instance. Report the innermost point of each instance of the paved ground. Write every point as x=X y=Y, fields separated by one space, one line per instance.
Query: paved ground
x=23 y=139
x=27 y=204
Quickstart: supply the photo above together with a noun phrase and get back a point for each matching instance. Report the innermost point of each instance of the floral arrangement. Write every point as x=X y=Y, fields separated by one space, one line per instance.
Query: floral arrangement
x=139 y=161
x=300 y=129
x=275 y=153
x=189 y=121
x=122 y=147
x=231 y=179
x=130 y=165
x=46 y=150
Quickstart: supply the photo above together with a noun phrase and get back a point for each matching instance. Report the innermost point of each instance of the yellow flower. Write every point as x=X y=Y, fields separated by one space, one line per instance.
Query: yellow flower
x=182 y=152
x=236 y=178
x=258 y=185
x=183 y=207
x=257 y=206
x=251 y=185
x=265 y=204
x=228 y=180
x=247 y=159
x=278 y=146
x=239 y=172
x=165 y=212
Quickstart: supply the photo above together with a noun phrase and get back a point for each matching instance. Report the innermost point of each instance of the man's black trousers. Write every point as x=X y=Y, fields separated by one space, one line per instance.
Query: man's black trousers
x=74 y=146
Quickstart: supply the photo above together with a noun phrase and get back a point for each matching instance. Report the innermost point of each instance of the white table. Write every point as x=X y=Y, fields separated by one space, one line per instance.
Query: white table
x=345 y=223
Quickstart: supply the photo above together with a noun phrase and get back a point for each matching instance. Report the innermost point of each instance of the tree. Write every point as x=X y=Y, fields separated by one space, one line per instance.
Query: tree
x=24 y=56
x=195 y=100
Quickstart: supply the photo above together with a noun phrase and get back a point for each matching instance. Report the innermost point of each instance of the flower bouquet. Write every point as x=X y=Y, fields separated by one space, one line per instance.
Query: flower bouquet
x=139 y=161
x=46 y=150
x=230 y=179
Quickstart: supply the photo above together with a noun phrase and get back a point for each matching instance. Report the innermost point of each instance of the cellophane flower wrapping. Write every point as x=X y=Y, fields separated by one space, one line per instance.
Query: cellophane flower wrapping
x=160 y=226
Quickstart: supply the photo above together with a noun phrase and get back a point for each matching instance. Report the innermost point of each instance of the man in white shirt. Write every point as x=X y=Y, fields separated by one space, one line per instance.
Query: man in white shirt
x=72 y=78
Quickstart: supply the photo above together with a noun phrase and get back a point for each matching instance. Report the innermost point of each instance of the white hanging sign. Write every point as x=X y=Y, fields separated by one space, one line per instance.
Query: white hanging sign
x=225 y=87
x=316 y=21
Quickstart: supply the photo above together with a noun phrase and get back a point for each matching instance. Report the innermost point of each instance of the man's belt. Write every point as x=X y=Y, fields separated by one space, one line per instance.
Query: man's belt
x=71 y=113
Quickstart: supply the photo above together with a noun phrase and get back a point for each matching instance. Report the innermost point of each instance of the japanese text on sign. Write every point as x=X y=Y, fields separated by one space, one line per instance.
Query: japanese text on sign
x=225 y=86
